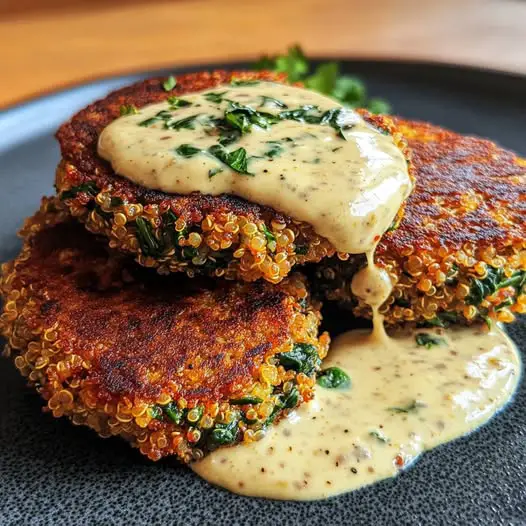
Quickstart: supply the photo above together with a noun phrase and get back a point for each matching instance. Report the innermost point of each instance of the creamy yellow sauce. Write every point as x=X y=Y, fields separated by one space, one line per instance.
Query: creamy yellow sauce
x=348 y=181
x=405 y=398
x=343 y=177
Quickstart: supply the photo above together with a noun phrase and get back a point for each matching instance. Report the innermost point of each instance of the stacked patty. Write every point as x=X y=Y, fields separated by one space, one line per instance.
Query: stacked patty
x=459 y=253
x=175 y=366
x=181 y=366
x=220 y=236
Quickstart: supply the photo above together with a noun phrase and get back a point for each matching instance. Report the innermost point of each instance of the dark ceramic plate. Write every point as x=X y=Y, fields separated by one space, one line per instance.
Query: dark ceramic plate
x=54 y=473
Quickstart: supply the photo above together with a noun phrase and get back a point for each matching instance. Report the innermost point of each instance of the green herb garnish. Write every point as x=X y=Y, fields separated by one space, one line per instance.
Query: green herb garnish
x=241 y=82
x=303 y=358
x=294 y=64
x=246 y=400
x=215 y=97
x=161 y=116
x=428 y=340
x=275 y=149
x=243 y=117
x=214 y=171
x=326 y=79
x=334 y=378
x=303 y=114
x=268 y=234
x=176 y=102
x=409 y=408
x=128 y=109
x=170 y=83
x=265 y=101
x=187 y=150
x=187 y=123
x=237 y=160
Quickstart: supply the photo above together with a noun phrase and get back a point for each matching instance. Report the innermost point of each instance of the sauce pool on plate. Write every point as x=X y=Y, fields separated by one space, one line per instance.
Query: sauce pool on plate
x=408 y=394
x=380 y=401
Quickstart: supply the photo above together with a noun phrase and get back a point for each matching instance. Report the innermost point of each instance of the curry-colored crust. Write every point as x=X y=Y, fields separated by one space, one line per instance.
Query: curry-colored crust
x=103 y=339
x=232 y=241
x=465 y=220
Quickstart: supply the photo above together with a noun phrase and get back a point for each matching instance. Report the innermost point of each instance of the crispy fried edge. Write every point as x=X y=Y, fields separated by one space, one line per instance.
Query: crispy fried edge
x=59 y=374
x=232 y=235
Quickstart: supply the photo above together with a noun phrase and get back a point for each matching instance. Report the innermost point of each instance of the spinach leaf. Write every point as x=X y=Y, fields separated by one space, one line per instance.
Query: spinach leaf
x=150 y=246
x=172 y=411
x=176 y=102
x=428 y=340
x=303 y=358
x=237 y=160
x=215 y=96
x=88 y=188
x=128 y=109
x=224 y=434
x=187 y=150
x=248 y=399
x=412 y=407
x=334 y=378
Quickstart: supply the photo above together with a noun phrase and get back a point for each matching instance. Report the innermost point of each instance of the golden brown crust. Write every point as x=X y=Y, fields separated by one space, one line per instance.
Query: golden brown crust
x=240 y=255
x=207 y=336
x=462 y=237
x=161 y=361
x=468 y=190
x=78 y=143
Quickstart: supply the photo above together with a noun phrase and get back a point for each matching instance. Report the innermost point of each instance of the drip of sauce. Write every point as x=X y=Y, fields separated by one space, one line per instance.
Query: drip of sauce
x=404 y=399
x=342 y=176
x=373 y=285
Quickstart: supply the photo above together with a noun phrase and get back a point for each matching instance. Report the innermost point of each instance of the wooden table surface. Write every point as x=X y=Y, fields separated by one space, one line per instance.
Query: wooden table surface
x=48 y=44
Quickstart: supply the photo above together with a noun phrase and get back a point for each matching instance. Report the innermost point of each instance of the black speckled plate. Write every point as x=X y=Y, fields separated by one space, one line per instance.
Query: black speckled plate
x=54 y=473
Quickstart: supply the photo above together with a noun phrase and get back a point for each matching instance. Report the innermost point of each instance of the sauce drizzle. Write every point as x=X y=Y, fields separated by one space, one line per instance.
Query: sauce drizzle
x=285 y=147
x=405 y=398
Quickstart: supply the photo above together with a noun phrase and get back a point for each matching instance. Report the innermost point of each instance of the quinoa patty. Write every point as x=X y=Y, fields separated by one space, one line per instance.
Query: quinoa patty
x=175 y=366
x=459 y=253
x=223 y=236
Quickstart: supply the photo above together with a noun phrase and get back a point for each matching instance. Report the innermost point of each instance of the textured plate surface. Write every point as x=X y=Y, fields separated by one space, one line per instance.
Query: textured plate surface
x=54 y=473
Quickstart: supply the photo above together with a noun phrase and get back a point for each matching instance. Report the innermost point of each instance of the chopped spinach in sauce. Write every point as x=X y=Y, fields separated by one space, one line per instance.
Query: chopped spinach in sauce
x=237 y=160
x=411 y=407
x=428 y=340
x=334 y=378
x=380 y=436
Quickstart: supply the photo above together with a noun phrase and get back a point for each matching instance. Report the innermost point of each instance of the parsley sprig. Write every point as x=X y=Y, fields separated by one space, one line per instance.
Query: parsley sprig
x=326 y=79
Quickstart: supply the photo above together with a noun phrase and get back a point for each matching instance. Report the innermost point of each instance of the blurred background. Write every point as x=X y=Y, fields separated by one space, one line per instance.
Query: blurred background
x=49 y=44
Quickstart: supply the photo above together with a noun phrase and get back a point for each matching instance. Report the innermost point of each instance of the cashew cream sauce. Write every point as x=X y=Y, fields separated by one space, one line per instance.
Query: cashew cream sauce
x=342 y=176
x=410 y=392
x=404 y=399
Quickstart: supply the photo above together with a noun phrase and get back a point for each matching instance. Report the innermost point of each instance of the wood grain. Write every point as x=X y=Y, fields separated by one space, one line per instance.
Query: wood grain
x=41 y=50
